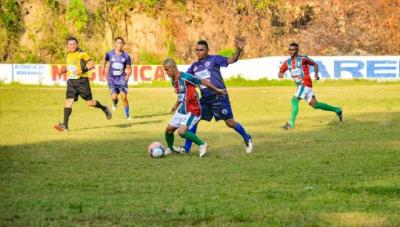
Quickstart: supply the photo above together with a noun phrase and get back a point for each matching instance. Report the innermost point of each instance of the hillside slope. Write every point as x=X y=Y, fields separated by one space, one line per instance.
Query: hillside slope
x=35 y=30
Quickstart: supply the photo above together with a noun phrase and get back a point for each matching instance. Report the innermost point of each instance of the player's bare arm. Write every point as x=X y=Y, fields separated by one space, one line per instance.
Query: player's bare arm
x=240 y=43
x=212 y=87
x=128 y=71
x=106 y=68
x=280 y=75
x=316 y=70
x=175 y=106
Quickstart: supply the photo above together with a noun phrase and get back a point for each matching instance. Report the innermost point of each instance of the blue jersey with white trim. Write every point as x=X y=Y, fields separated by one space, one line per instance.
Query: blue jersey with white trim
x=209 y=69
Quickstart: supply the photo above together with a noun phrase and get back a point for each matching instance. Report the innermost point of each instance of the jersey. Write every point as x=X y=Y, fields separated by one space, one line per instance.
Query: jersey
x=299 y=68
x=118 y=64
x=75 y=62
x=209 y=69
x=185 y=88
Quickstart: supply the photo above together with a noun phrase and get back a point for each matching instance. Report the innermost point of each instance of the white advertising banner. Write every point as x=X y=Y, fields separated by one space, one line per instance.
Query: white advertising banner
x=336 y=67
x=31 y=73
x=6 y=73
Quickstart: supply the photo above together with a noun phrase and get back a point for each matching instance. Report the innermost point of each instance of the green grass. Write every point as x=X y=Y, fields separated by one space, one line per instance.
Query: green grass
x=322 y=173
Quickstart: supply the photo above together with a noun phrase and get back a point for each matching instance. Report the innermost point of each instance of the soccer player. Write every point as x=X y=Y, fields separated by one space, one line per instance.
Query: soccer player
x=207 y=67
x=187 y=108
x=117 y=68
x=78 y=66
x=299 y=68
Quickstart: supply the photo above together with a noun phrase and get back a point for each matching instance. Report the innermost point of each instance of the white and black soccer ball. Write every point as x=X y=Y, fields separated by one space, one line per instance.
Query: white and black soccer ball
x=156 y=150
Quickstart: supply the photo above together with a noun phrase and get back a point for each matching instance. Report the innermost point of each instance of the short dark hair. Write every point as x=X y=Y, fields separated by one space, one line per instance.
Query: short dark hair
x=119 y=37
x=203 y=42
x=71 y=38
x=294 y=45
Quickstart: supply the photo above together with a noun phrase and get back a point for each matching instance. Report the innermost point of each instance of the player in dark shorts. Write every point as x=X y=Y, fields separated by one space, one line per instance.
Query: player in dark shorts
x=117 y=68
x=216 y=106
x=78 y=66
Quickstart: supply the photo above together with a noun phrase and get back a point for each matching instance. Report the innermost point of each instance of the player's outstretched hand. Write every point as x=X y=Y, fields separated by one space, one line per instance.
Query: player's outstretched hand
x=240 y=42
x=316 y=77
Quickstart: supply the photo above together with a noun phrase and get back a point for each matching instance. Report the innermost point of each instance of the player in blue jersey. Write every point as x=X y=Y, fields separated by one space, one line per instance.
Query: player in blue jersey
x=117 y=68
x=187 y=109
x=215 y=106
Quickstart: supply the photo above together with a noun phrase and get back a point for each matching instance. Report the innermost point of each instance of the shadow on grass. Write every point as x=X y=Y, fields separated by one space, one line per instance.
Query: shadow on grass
x=152 y=115
x=126 y=125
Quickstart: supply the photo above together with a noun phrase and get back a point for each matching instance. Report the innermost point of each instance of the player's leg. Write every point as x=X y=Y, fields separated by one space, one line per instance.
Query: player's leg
x=114 y=99
x=85 y=92
x=70 y=95
x=323 y=106
x=206 y=114
x=295 y=107
x=124 y=97
x=188 y=143
x=114 y=94
x=222 y=109
x=169 y=138
x=189 y=122
x=169 y=132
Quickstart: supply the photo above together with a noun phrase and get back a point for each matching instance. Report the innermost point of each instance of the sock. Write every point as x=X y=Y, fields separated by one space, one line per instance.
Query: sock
x=98 y=105
x=67 y=112
x=295 y=110
x=188 y=143
x=126 y=111
x=169 y=137
x=326 y=107
x=115 y=101
x=191 y=136
x=239 y=129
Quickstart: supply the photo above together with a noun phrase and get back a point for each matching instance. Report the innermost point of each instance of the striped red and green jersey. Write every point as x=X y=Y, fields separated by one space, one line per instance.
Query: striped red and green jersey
x=185 y=88
x=299 y=68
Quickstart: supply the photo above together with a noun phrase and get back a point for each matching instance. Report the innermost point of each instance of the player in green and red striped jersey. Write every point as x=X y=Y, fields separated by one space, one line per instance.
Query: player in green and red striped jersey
x=187 y=108
x=299 y=68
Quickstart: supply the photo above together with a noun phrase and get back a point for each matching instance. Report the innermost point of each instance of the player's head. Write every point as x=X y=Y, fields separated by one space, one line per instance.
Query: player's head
x=202 y=49
x=293 y=49
x=72 y=44
x=119 y=43
x=170 y=67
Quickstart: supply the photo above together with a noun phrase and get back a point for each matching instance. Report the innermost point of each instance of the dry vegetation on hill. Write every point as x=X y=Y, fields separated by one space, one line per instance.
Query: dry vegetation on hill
x=35 y=30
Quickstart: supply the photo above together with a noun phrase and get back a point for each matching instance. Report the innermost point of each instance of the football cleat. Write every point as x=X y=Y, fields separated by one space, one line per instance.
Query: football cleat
x=287 y=126
x=61 y=127
x=249 y=145
x=129 y=119
x=108 y=113
x=168 y=151
x=114 y=107
x=179 y=150
x=340 y=115
x=203 y=150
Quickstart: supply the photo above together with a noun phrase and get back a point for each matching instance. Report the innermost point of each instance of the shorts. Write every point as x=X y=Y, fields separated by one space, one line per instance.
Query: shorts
x=216 y=106
x=305 y=93
x=116 y=88
x=79 y=87
x=180 y=119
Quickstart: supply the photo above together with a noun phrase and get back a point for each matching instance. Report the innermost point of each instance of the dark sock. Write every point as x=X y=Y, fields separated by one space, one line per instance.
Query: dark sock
x=67 y=112
x=98 y=105
x=169 y=137
x=115 y=101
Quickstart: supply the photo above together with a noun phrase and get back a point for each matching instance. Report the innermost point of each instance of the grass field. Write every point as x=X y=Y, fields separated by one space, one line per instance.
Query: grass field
x=322 y=173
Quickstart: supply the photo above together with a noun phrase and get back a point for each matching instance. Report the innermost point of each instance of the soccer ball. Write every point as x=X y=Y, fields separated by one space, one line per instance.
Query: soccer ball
x=156 y=150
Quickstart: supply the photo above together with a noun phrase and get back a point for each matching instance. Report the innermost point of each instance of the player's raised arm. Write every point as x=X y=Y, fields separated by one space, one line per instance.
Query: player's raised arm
x=240 y=42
